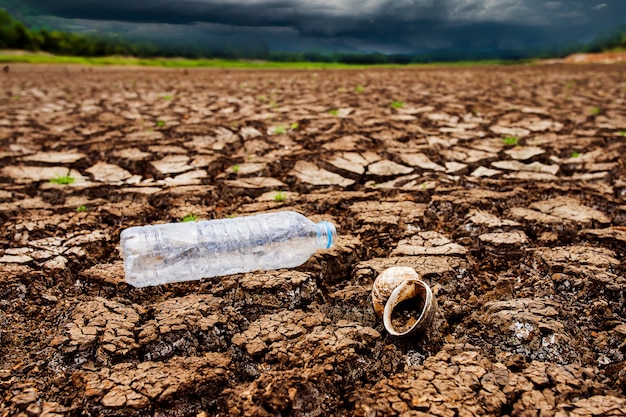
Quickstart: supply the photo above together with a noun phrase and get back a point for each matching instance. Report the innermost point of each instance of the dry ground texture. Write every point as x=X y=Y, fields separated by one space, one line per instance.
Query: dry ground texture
x=504 y=187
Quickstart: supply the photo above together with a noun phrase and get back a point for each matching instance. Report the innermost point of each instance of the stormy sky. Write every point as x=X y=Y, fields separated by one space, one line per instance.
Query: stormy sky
x=387 y=26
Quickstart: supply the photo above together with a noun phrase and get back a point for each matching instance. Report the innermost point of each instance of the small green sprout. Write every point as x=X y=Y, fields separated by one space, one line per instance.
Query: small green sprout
x=510 y=140
x=295 y=126
x=359 y=89
x=166 y=98
x=397 y=104
x=235 y=168
x=279 y=130
x=575 y=154
x=274 y=104
x=81 y=209
x=262 y=98
x=63 y=179
x=280 y=196
x=160 y=123
x=622 y=133
x=189 y=218
x=334 y=112
x=595 y=111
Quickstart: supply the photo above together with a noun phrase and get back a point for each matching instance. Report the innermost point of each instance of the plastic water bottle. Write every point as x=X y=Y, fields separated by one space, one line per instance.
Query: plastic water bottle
x=178 y=252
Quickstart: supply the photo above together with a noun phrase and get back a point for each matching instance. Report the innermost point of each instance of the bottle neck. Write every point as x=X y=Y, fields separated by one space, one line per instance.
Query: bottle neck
x=326 y=234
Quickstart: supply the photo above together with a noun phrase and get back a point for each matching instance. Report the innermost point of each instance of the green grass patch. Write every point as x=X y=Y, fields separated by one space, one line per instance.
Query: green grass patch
x=510 y=141
x=189 y=218
x=81 y=209
x=359 y=89
x=235 y=168
x=160 y=123
x=43 y=58
x=63 y=179
x=295 y=126
x=397 y=104
x=595 y=111
x=334 y=112
x=280 y=196
x=279 y=130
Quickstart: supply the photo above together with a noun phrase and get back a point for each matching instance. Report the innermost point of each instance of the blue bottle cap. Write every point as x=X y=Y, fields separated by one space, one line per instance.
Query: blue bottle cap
x=326 y=234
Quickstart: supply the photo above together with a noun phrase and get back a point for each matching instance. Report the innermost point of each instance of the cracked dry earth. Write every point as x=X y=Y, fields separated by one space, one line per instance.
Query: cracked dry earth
x=504 y=187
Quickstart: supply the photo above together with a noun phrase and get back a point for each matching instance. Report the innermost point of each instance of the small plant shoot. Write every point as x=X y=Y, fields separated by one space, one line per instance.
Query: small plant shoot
x=189 y=218
x=63 y=179
x=279 y=130
x=81 y=209
x=280 y=196
x=235 y=168
x=575 y=154
x=397 y=104
x=359 y=89
x=160 y=123
x=334 y=112
x=510 y=141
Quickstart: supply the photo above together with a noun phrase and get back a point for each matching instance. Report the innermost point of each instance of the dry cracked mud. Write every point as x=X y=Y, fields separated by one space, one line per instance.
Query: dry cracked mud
x=504 y=187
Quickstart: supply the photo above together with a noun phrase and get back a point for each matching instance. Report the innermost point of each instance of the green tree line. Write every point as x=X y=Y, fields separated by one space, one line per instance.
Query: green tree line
x=610 y=40
x=15 y=35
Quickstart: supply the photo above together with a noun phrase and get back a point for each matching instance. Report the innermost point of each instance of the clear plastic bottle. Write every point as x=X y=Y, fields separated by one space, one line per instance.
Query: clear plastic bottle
x=177 y=252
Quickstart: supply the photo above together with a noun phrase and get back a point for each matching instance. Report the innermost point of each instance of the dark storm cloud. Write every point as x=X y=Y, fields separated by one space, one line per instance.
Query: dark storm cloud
x=303 y=13
x=386 y=25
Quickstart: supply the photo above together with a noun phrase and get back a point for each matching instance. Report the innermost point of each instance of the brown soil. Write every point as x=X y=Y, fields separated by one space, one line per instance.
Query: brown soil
x=523 y=243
